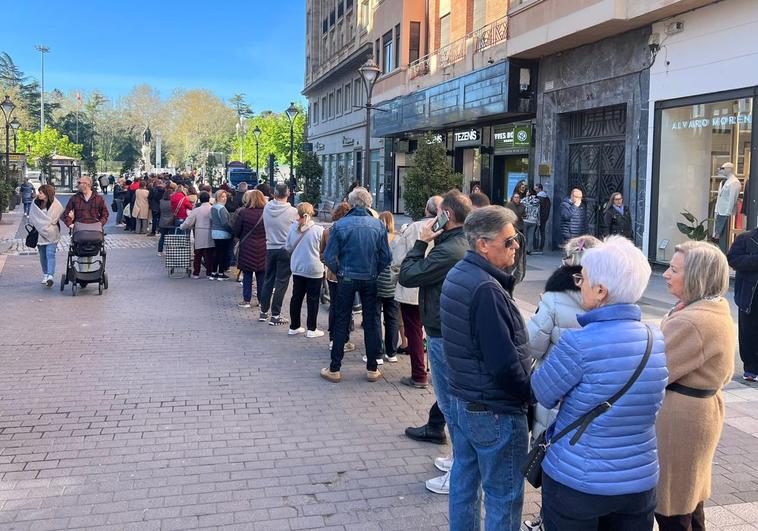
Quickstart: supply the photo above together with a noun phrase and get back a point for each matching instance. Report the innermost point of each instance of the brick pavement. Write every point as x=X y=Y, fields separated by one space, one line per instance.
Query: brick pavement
x=161 y=405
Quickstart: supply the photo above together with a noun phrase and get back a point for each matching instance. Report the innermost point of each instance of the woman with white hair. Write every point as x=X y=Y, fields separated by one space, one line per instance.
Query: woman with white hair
x=700 y=345
x=600 y=468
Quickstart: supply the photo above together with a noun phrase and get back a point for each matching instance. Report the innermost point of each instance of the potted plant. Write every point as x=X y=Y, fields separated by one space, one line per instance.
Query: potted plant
x=693 y=229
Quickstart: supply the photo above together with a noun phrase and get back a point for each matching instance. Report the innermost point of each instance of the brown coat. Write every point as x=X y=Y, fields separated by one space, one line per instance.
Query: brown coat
x=700 y=346
x=141 y=208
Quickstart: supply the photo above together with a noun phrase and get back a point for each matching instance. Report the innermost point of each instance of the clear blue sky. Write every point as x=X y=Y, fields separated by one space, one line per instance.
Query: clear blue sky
x=256 y=47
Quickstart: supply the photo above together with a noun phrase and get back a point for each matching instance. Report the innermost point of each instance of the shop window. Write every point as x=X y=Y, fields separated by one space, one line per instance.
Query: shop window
x=695 y=141
x=414 y=42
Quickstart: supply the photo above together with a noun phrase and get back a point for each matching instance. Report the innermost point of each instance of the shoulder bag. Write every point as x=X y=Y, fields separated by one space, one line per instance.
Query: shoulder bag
x=32 y=236
x=533 y=468
x=238 y=245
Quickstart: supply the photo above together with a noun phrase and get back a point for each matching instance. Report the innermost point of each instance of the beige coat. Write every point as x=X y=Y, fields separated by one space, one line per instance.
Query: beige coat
x=141 y=208
x=400 y=246
x=700 y=346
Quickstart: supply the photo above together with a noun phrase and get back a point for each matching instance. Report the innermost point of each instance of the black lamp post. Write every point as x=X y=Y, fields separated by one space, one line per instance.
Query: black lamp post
x=7 y=107
x=257 y=135
x=369 y=72
x=15 y=124
x=292 y=112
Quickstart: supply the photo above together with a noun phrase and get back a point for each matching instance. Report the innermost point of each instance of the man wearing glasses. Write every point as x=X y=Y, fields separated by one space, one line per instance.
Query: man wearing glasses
x=85 y=206
x=485 y=343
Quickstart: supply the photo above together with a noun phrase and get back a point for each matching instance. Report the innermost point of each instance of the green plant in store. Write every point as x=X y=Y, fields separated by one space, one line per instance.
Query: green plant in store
x=693 y=229
x=431 y=174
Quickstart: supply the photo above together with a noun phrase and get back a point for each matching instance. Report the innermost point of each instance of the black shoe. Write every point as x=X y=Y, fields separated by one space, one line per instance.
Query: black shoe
x=426 y=434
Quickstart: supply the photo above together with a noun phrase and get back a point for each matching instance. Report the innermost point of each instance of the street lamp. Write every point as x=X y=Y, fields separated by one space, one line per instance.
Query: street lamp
x=7 y=107
x=240 y=133
x=15 y=124
x=42 y=50
x=369 y=72
x=292 y=113
x=257 y=134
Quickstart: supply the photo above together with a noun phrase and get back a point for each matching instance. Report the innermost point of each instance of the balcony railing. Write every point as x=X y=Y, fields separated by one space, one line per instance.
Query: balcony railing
x=477 y=41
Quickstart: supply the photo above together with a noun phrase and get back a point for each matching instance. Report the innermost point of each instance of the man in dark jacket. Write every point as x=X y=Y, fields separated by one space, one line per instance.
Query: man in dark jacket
x=485 y=347
x=573 y=216
x=743 y=258
x=357 y=250
x=427 y=272
x=154 y=199
x=544 y=216
x=27 y=195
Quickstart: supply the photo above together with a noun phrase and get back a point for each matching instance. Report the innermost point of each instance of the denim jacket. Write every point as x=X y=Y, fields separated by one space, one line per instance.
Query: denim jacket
x=357 y=246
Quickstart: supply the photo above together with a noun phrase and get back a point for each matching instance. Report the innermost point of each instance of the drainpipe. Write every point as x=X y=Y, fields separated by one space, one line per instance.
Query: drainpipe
x=426 y=32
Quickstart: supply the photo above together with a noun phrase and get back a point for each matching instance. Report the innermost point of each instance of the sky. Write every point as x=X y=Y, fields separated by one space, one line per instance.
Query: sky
x=256 y=47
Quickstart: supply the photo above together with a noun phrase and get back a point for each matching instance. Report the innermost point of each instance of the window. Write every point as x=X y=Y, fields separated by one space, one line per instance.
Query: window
x=348 y=5
x=347 y=91
x=340 y=9
x=414 y=42
x=331 y=105
x=338 y=103
x=364 y=14
x=377 y=52
x=388 y=63
x=695 y=141
x=357 y=93
x=323 y=109
x=332 y=18
x=445 y=30
x=397 y=45
x=340 y=36
x=314 y=114
x=325 y=25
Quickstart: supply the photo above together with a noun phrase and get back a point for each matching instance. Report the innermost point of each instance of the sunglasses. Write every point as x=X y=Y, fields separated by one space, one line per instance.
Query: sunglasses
x=578 y=279
x=509 y=242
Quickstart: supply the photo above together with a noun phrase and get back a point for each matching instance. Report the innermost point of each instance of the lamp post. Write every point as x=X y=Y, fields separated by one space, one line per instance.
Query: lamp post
x=292 y=113
x=369 y=72
x=240 y=133
x=42 y=49
x=257 y=134
x=15 y=124
x=7 y=107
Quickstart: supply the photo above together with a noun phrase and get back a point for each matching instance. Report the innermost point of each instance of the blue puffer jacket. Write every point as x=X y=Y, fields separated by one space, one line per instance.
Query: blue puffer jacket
x=357 y=246
x=617 y=453
x=27 y=191
x=573 y=219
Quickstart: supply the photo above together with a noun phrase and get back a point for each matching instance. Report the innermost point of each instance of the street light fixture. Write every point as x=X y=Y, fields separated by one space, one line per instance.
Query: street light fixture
x=292 y=113
x=240 y=133
x=15 y=124
x=257 y=133
x=7 y=107
x=369 y=73
x=42 y=49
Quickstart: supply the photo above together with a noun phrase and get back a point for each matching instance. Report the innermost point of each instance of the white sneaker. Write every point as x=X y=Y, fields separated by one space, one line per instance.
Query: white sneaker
x=380 y=361
x=391 y=359
x=444 y=464
x=296 y=331
x=50 y=281
x=44 y=279
x=440 y=484
x=314 y=333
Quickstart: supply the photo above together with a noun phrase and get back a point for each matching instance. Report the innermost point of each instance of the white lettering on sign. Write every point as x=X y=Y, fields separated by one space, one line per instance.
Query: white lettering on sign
x=506 y=136
x=716 y=121
x=435 y=139
x=466 y=136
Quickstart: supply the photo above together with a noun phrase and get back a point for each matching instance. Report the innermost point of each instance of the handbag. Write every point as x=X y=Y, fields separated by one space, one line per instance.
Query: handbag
x=114 y=206
x=533 y=469
x=32 y=236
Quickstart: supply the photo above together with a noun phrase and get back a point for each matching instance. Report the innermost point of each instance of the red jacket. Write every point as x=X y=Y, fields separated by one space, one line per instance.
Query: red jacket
x=176 y=199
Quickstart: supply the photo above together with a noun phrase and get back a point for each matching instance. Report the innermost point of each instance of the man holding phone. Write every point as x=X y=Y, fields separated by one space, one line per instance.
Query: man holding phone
x=428 y=272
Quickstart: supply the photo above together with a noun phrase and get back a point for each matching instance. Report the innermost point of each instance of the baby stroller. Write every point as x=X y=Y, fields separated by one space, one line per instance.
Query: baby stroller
x=86 y=258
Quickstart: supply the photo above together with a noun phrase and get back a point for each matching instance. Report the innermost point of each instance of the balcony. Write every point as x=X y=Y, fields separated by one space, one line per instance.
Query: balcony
x=352 y=54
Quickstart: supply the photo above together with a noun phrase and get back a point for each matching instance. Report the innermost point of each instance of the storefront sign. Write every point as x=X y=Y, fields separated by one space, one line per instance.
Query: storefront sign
x=436 y=138
x=472 y=137
x=347 y=141
x=716 y=121
x=513 y=138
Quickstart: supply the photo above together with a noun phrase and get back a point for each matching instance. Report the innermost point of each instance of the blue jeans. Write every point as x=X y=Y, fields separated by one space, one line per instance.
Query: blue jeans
x=47 y=258
x=490 y=450
x=119 y=211
x=27 y=207
x=247 y=285
x=441 y=382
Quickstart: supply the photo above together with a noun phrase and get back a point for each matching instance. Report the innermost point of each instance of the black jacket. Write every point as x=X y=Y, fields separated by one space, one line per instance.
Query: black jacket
x=573 y=219
x=616 y=223
x=743 y=257
x=484 y=337
x=429 y=272
x=154 y=199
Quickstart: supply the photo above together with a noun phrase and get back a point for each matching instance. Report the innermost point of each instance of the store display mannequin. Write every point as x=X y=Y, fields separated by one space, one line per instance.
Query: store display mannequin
x=726 y=204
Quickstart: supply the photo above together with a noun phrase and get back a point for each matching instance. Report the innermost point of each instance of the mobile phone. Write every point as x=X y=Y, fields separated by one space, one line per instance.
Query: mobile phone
x=442 y=219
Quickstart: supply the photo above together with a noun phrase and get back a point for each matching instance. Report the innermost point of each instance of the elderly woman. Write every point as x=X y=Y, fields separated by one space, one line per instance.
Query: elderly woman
x=251 y=254
x=607 y=479
x=221 y=232
x=199 y=219
x=700 y=345
x=141 y=208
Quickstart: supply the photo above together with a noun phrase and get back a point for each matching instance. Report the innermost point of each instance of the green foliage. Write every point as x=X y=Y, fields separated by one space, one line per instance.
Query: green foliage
x=431 y=174
x=310 y=171
x=6 y=191
x=275 y=137
x=45 y=145
x=694 y=229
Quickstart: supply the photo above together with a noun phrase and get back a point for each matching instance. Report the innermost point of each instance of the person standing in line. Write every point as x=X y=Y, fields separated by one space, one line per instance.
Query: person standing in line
x=221 y=232
x=485 y=341
x=616 y=218
x=141 y=208
x=544 y=216
x=131 y=223
x=199 y=219
x=44 y=215
x=156 y=194
x=743 y=257
x=358 y=251
x=700 y=347
x=278 y=216
x=386 y=305
x=167 y=218
x=427 y=272
x=516 y=206
x=251 y=258
x=27 y=195
x=103 y=184
x=574 y=216
x=531 y=220
x=180 y=205
x=409 y=302
x=303 y=244
x=119 y=195
x=340 y=210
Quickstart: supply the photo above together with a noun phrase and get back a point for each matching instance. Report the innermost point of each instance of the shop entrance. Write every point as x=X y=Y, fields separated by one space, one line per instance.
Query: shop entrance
x=597 y=157
x=508 y=170
x=468 y=162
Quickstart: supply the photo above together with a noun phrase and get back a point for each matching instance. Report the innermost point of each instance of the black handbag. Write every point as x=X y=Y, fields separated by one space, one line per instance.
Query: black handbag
x=32 y=236
x=533 y=468
x=114 y=206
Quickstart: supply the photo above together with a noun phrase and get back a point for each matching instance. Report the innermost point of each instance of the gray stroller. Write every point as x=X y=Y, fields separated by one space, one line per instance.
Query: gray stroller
x=86 y=258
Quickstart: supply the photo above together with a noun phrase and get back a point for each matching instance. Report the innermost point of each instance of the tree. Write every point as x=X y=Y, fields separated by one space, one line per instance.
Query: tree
x=275 y=136
x=310 y=171
x=46 y=144
x=241 y=107
x=431 y=174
